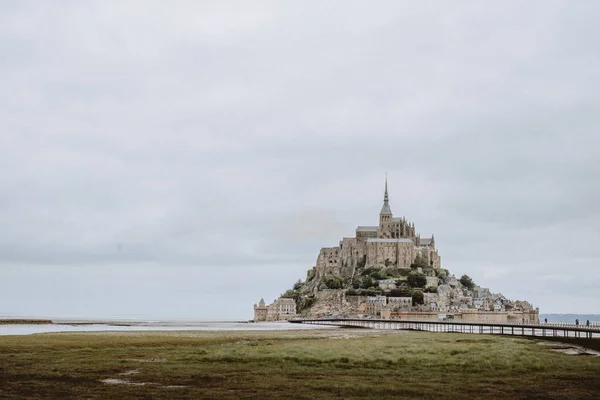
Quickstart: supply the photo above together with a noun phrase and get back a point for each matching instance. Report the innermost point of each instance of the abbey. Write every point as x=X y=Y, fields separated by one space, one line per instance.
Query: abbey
x=393 y=243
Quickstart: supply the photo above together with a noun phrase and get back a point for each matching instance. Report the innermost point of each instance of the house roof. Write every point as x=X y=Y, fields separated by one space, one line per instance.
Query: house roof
x=378 y=240
x=367 y=228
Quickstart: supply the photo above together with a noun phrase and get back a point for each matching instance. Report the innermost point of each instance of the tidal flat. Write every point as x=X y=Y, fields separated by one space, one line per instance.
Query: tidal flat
x=300 y=364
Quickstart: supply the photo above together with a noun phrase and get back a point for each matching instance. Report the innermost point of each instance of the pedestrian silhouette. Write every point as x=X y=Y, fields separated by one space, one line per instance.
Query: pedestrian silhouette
x=587 y=323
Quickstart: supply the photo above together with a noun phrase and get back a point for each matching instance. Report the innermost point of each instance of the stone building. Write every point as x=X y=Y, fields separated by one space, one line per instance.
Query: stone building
x=387 y=284
x=400 y=302
x=280 y=310
x=375 y=304
x=432 y=281
x=393 y=243
x=260 y=311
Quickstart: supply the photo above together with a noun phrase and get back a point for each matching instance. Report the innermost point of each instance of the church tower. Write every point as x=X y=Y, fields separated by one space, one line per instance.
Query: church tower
x=385 y=216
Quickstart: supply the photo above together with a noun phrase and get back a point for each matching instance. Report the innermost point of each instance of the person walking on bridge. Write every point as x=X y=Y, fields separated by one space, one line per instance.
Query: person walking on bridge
x=577 y=322
x=587 y=323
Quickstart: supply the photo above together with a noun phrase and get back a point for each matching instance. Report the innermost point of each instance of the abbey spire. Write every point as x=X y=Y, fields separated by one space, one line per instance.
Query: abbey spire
x=386 y=205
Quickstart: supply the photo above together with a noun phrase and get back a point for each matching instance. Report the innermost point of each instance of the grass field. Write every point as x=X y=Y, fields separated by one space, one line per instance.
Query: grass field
x=329 y=364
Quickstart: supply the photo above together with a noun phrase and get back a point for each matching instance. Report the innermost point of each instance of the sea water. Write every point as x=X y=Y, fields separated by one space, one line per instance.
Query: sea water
x=27 y=329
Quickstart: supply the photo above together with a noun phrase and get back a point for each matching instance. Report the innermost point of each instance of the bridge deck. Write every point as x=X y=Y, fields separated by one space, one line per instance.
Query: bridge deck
x=549 y=330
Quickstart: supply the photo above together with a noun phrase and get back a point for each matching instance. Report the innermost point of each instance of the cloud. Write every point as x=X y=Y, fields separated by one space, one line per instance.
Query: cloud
x=197 y=140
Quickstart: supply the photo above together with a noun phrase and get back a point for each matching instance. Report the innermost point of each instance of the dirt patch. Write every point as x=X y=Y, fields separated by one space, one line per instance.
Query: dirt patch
x=148 y=360
x=116 y=381
x=570 y=349
x=126 y=382
x=344 y=337
x=130 y=372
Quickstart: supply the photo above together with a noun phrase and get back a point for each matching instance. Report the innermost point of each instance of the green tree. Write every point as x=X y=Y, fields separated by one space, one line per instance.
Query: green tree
x=367 y=282
x=377 y=275
x=396 y=293
x=441 y=273
x=416 y=280
x=417 y=297
x=351 y=292
x=298 y=285
x=467 y=282
x=310 y=274
x=420 y=262
x=333 y=282
x=430 y=289
x=291 y=294
x=305 y=303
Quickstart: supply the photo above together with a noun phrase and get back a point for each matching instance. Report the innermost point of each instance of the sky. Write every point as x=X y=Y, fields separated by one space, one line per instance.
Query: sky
x=183 y=159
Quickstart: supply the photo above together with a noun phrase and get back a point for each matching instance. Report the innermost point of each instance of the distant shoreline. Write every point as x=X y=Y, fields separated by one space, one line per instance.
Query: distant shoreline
x=25 y=321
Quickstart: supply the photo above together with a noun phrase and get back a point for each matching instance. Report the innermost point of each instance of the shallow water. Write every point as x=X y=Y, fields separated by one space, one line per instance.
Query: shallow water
x=199 y=326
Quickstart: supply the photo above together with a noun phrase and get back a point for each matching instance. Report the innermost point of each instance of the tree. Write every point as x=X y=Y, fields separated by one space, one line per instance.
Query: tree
x=441 y=273
x=310 y=274
x=430 y=289
x=467 y=282
x=416 y=280
x=290 y=294
x=351 y=292
x=368 y=271
x=420 y=262
x=298 y=285
x=333 y=282
x=305 y=303
x=377 y=275
x=417 y=297
x=396 y=293
x=367 y=282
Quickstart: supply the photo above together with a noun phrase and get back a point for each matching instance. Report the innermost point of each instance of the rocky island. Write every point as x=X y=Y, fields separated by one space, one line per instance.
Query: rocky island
x=389 y=271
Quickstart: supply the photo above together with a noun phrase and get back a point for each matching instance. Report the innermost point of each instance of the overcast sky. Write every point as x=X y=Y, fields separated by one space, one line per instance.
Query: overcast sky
x=184 y=159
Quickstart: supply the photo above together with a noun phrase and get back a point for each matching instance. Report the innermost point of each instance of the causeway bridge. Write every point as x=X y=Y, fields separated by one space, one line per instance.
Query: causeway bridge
x=493 y=328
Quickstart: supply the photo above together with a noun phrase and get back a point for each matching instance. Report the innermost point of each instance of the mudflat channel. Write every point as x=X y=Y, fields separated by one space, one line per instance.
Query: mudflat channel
x=298 y=364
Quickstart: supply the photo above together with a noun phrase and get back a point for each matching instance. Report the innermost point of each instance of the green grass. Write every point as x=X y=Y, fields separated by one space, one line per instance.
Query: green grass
x=338 y=364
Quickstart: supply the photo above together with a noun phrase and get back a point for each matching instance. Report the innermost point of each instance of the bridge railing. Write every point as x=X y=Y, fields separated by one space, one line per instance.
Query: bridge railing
x=592 y=326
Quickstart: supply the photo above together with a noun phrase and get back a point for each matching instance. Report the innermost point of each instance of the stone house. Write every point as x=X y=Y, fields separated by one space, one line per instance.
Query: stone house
x=429 y=298
x=453 y=281
x=400 y=302
x=375 y=304
x=432 y=281
x=280 y=310
x=387 y=284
